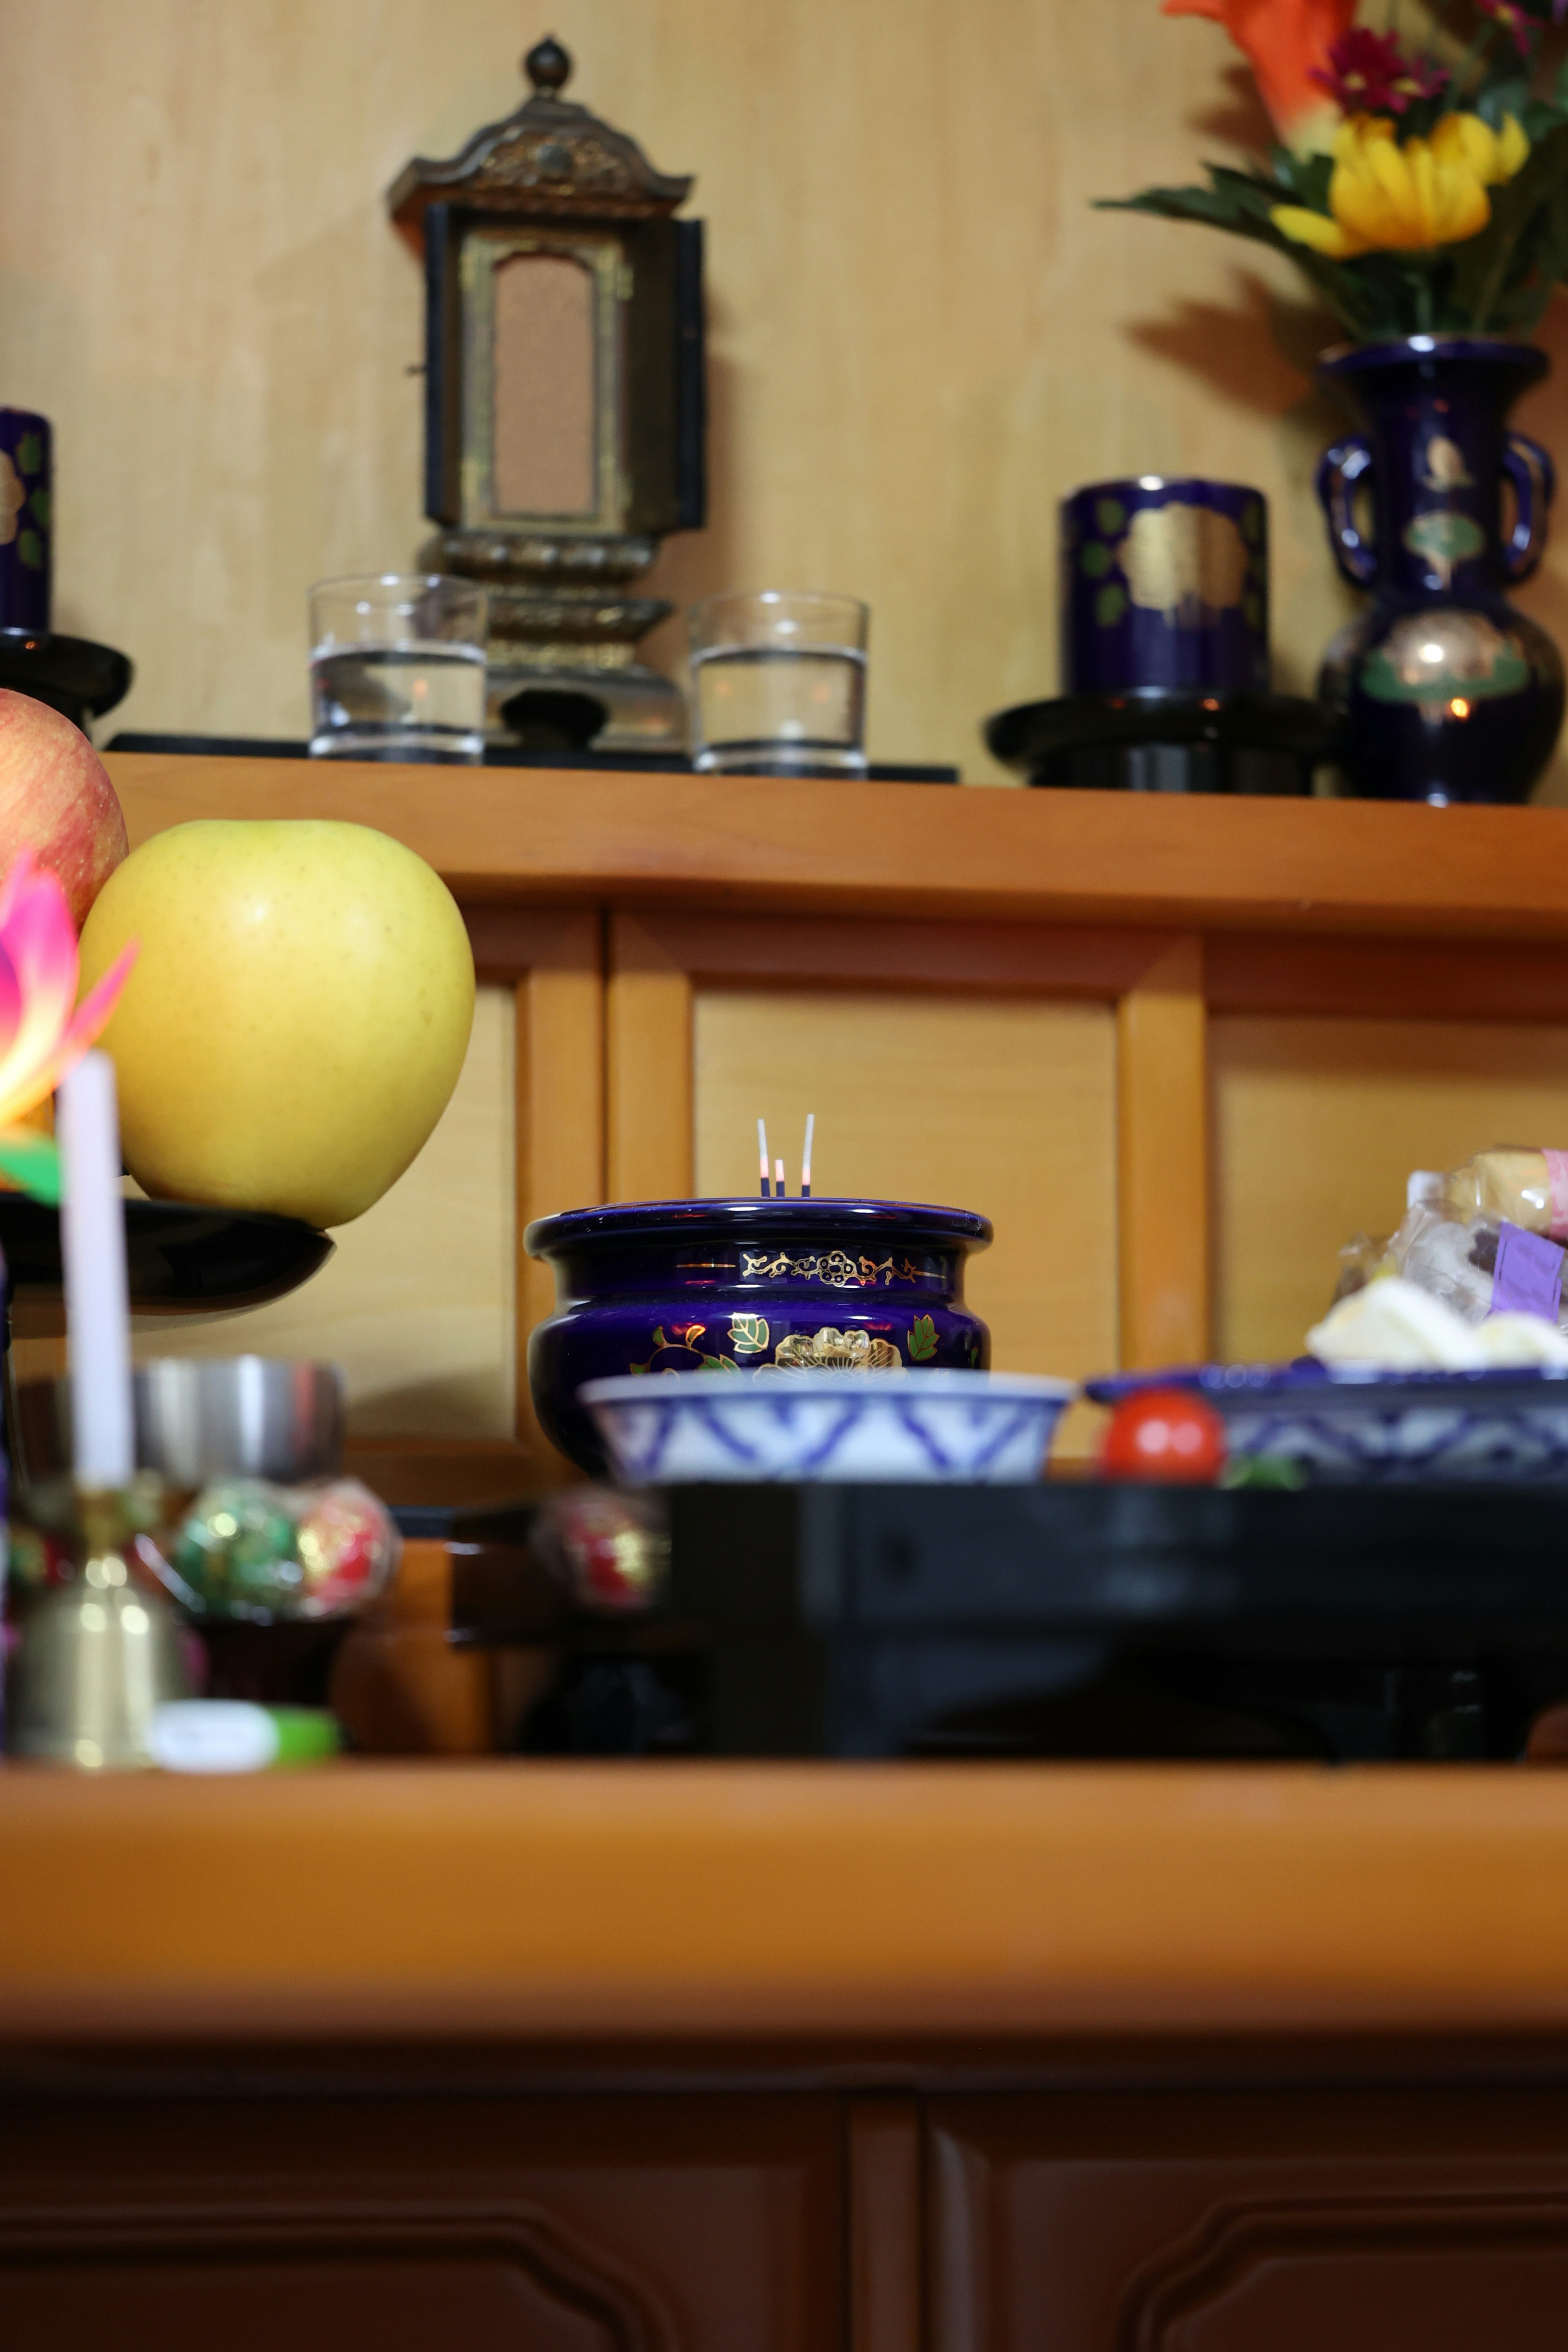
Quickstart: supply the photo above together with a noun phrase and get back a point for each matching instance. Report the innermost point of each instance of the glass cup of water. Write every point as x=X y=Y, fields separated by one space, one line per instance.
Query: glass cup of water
x=397 y=669
x=778 y=680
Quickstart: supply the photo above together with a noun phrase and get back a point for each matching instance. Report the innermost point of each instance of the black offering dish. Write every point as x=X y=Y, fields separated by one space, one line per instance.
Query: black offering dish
x=1152 y=740
x=78 y=678
x=181 y=1258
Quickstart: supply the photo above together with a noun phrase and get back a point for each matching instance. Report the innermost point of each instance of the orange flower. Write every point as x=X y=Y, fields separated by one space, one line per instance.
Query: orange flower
x=1286 y=42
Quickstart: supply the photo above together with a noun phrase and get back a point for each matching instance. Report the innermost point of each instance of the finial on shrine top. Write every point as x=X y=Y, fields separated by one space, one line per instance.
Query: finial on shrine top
x=552 y=158
x=548 y=67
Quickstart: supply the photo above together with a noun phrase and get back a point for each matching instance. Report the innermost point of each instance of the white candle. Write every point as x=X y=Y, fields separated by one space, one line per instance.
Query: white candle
x=92 y=1242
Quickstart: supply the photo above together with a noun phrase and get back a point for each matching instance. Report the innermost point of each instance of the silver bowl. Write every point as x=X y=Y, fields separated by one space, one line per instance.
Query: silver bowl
x=204 y=1417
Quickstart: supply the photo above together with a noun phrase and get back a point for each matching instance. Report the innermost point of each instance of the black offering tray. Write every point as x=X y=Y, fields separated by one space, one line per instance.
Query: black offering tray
x=1155 y=739
x=1066 y=1620
x=180 y=1258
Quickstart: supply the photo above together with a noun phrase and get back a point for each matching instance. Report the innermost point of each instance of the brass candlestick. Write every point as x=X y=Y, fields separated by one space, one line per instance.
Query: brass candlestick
x=98 y=1652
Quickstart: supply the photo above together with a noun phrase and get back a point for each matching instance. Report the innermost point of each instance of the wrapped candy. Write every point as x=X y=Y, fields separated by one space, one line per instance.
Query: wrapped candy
x=249 y=1551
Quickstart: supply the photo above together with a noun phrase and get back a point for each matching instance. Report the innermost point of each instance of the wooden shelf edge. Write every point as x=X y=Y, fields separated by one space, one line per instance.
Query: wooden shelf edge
x=724 y=1902
x=539 y=837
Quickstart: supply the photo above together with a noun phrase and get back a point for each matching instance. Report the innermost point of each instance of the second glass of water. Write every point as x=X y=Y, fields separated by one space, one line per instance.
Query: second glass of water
x=397 y=669
x=778 y=683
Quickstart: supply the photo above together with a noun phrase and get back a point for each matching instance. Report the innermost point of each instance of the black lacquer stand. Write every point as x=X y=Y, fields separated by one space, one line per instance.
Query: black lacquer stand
x=1155 y=740
x=1074 y=1619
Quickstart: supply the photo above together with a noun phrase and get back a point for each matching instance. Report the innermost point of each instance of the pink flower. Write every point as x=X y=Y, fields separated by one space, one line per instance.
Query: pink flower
x=1514 y=19
x=1369 y=73
x=44 y=1031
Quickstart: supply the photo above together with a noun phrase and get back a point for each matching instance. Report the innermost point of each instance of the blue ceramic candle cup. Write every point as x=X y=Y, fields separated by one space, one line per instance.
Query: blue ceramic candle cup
x=747 y=1286
x=25 y=520
x=1165 y=584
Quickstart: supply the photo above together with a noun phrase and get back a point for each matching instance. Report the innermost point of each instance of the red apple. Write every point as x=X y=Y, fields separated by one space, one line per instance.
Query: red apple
x=56 y=800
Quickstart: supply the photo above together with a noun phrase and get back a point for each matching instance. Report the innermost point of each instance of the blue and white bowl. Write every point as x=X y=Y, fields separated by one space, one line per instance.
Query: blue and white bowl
x=1354 y=1422
x=668 y=1428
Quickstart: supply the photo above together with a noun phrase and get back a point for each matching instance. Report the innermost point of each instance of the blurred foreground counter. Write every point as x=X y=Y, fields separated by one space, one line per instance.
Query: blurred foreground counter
x=786 y=2056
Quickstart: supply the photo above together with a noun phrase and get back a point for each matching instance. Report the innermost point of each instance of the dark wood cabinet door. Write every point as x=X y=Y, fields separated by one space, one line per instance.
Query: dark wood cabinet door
x=616 y=2223
x=1280 y=2219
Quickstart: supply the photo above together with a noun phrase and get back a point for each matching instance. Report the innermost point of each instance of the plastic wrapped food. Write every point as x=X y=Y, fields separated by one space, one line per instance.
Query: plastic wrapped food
x=1396 y=1325
x=1484 y=1242
x=1528 y=1188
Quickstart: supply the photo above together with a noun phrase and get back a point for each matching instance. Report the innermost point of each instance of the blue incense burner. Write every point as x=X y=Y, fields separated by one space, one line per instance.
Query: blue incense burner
x=747 y=1288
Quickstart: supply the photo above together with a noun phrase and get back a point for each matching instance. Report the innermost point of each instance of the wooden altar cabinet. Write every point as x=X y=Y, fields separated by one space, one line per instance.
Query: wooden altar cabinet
x=1179 y=1050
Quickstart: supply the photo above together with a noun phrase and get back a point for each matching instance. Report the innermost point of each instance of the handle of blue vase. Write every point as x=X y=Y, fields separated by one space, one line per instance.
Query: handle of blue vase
x=1338 y=474
x=1534 y=478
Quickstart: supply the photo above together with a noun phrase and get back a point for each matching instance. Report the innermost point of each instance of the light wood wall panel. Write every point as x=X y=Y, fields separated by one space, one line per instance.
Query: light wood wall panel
x=1004 y=1104
x=921 y=335
x=418 y=1303
x=1317 y=1124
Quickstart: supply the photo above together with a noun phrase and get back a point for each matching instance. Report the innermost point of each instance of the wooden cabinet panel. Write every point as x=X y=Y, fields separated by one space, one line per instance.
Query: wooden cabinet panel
x=1365 y=2220
x=652 y=2224
x=1002 y=1104
x=1316 y=1123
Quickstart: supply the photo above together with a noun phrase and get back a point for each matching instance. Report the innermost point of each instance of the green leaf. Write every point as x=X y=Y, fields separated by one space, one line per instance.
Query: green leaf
x=38 y=507
x=922 y=1340
x=748 y=1334
x=33 y=1161
x=1504 y=255
x=1095 y=560
x=1110 y=516
x=1110 y=604
x=1506 y=93
x=658 y=1338
x=719 y=1364
x=29 y=452
x=30 y=550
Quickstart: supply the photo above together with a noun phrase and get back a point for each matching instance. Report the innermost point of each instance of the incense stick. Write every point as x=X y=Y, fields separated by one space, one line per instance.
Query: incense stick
x=805 y=1158
x=778 y=1179
x=763 y=1148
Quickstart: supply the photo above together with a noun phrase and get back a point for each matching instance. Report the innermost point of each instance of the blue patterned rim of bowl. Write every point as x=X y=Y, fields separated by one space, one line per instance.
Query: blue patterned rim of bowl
x=745 y=1286
x=1358 y=1421
x=986 y=1427
x=1224 y=1383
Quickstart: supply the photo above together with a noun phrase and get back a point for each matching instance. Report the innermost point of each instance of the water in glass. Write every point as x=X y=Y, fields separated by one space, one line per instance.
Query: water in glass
x=778 y=711
x=420 y=701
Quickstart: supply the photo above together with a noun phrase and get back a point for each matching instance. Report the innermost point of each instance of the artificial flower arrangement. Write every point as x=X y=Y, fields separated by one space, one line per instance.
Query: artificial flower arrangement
x=1423 y=189
x=44 y=1032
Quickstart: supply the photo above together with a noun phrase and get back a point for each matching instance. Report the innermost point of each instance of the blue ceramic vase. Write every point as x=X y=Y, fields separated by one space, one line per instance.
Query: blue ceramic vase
x=1445 y=692
x=1164 y=585
x=747 y=1286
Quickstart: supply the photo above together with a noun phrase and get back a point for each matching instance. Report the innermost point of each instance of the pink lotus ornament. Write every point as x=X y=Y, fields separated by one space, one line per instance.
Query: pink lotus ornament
x=44 y=1031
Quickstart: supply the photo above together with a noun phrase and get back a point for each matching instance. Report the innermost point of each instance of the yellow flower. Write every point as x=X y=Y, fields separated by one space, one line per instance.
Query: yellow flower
x=1388 y=198
x=1492 y=155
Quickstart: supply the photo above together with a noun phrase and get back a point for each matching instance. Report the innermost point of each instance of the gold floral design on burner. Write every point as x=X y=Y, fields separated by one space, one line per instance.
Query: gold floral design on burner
x=836 y=1351
x=836 y=1268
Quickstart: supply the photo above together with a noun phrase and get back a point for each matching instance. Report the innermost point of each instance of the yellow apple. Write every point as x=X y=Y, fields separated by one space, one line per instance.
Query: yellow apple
x=296 y=1018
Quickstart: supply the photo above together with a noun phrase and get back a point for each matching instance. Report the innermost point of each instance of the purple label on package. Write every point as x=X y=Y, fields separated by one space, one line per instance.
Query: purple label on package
x=1529 y=1277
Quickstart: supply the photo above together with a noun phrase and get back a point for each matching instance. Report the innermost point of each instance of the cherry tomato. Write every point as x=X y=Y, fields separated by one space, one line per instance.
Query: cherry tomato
x=1167 y=1435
